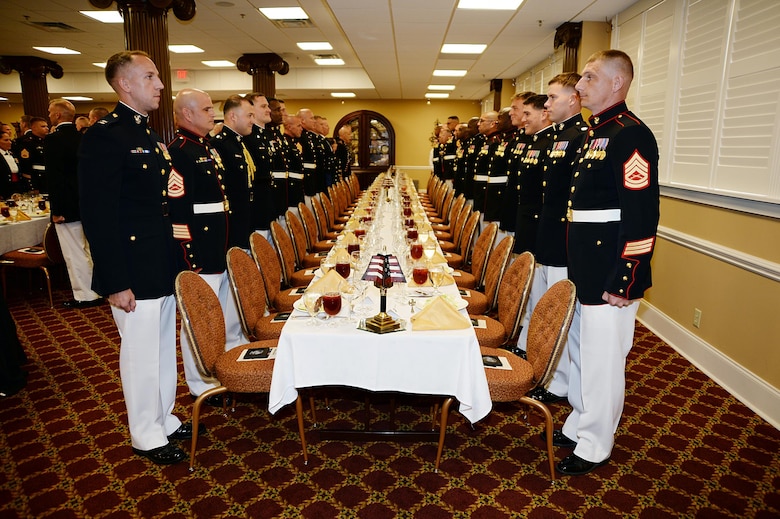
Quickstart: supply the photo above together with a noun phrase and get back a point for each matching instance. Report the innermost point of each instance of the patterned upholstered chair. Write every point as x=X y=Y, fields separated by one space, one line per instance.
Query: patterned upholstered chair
x=458 y=260
x=484 y=302
x=512 y=298
x=479 y=257
x=205 y=328
x=449 y=241
x=309 y=221
x=286 y=254
x=48 y=255
x=278 y=298
x=443 y=214
x=547 y=333
x=303 y=258
x=246 y=283
x=446 y=227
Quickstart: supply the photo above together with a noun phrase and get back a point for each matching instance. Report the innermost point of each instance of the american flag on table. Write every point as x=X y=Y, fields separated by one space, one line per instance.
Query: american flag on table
x=376 y=267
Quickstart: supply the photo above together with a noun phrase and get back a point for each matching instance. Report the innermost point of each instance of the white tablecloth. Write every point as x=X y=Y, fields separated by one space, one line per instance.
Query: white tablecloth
x=22 y=234
x=431 y=362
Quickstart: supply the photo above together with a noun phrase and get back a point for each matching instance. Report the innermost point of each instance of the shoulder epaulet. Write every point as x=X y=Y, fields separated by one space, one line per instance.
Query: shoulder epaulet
x=108 y=120
x=628 y=119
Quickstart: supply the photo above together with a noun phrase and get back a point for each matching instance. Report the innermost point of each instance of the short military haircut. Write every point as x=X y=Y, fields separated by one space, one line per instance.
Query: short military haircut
x=522 y=96
x=65 y=107
x=453 y=117
x=34 y=120
x=537 y=101
x=618 y=58
x=233 y=102
x=567 y=79
x=119 y=61
x=254 y=95
x=99 y=112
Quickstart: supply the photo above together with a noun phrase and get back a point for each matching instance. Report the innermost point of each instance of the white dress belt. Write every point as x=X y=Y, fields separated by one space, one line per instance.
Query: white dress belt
x=39 y=167
x=594 y=215
x=496 y=180
x=481 y=178
x=213 y=207
x=450 y=157
x=279 y=174
x=309 y=165
x=298 y=176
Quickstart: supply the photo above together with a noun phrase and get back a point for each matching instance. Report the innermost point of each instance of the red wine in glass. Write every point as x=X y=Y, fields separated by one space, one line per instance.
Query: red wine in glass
x=412 y=234
x=352 y=247
x=420 y=275
x=359 y=232
x=42 y=205
x=331 y=303
x=407 y=211
x=5 y=211
x=343 y=269
x=416 y=250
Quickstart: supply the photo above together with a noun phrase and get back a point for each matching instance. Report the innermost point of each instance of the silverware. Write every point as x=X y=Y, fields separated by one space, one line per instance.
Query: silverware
x=412 y=303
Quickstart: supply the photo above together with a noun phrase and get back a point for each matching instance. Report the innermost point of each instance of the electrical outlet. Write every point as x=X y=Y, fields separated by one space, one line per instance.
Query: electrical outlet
x=696 y=317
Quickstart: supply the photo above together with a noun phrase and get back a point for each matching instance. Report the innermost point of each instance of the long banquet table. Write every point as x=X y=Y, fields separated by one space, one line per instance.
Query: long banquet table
x=446 y=362
x=22 y=234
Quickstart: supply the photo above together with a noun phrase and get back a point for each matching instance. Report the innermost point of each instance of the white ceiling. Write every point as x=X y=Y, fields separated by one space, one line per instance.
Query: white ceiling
x=390 y=47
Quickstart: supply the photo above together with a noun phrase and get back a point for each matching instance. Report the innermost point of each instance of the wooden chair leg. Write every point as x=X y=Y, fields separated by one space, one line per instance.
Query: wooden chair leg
x=48 y=285
x=301 y=432
x=313 y=411
x=548 y=428
x=196 y=419
x=445 y=413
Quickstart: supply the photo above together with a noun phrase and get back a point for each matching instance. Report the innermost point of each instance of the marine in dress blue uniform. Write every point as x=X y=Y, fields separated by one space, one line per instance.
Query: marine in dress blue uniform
x=123 y=187
x=614 y=211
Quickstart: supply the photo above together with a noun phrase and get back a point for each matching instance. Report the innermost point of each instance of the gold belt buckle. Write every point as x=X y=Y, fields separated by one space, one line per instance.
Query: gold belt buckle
x=226 y=205
x=569 y=215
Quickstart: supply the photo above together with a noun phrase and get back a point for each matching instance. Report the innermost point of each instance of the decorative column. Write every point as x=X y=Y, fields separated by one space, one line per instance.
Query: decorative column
x=32 y=74
x=496 y=85
x=569 y=35
x=146 y=29
x=262 y=67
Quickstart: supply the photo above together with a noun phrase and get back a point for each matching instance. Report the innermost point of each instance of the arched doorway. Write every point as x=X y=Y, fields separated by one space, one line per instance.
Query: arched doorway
x=373 y=143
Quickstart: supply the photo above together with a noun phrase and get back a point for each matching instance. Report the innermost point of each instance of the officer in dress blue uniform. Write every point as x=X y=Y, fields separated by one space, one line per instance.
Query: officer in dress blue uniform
x=614 y=211
x=262 y=146
x=31 y=155
x=488 y=129
x=569 y=130
x=498 y=170
x=316 y=154
x=293 y=165
x=123 y=186
x=239 y=168
x=515 y=150
x=198 y=207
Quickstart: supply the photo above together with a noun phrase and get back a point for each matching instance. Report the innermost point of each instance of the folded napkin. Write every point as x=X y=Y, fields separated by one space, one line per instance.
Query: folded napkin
x=341 y=256
x=438 y=257
x=447 y=279
x=350 y=238
x=424 y=227
x=21 y=215
x=439 y=314
x=330 y=282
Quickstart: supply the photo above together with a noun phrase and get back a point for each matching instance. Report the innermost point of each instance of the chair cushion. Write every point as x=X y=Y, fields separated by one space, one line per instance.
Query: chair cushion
x=25 y=259
x=508 y=385
x=283 y=302
x=245 y=377
x=454 y=260
x=299 y=278
x=265 y=329
x=478 y=303
x=465 y=280
x=491 y=337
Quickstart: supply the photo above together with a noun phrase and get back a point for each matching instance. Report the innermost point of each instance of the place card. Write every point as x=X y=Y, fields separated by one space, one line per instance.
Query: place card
x=479 y=323
x=250 y=354
x=496 y=362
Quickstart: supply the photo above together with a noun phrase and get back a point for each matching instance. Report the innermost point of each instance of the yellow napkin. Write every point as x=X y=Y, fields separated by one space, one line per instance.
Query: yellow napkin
x=350 y=238
x=439 y=314
x=330 y=282
x=341 y=256
x=424 y=227
x=438 y=257
x=447 y=280
x=21 y=215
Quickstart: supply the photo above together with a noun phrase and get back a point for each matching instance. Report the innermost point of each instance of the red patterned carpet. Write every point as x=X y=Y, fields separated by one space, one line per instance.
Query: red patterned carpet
x=685 y=448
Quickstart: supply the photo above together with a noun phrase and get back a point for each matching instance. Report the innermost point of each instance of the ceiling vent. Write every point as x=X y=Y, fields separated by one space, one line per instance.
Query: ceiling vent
x=52 y=26
x=293 y=24
x=326 y=56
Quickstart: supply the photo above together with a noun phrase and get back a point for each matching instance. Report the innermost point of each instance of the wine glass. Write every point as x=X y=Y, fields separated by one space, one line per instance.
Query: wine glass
x=343 y=268
x=5 y=211
x=325 y=265
x=312 y=301
x=420 y=274
x=331 y=303
x=436 y=274
x=416 y=250
x=348 y=293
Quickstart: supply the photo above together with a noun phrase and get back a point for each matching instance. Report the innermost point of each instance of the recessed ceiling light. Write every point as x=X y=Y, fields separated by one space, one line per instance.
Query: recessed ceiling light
x=342 y=94
x=104 y=16
x=3 y=99
x=437 y=95
x=449 y=73
x=498 y=5
x=184 y=49
x=314 y=45
x=441 y=87
x=219 y=63
x=77 y=98
x=284 y=13
x=57 y=50
x=101 y=65
x=462 y=48
x=328 y=61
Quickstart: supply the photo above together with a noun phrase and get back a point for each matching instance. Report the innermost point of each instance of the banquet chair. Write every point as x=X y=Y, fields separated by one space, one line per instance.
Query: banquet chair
x=479 y=257
x=484 y=302
x=204 y=325
x=246 y=284
x=458 y=260
x=442 y=215
x=512 y=298
x=449 y=241
x=435 y=207
x=278 y=298
x=325 y=232
x=330 y=217
x=455 y=208
x=303 y=258
x=46 y=256
x=337 y=213
x=547 y=334
x=309 y=221
x=286 y=255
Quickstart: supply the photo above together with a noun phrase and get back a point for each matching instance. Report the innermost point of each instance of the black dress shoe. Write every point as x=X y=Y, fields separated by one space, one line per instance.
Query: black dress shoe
x=559 y=439
x=573 y=465
x=215 y=400
x=165 y=455
x=545 y=396
x=184 y=432
x=74 y=303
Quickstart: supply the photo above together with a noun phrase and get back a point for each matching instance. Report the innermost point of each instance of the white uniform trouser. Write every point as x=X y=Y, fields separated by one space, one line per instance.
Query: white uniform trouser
x=307 y=201
x=147 y=367
x=78 y=260
x=546 y=276
x=500 y=235
x=235 y=336
x=597 y=379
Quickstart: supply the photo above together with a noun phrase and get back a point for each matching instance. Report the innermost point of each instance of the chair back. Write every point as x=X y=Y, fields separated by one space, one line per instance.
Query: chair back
x=549 y=329
x=467 y=236
x=496 y=266
x=513 y=294
x=309 y=225
x=246 y=283
x=298 y=235
x=202 y=320
x=51 y=245
x=457 y=229
x=455 y=208
x=444 y=210
x=319 y=214
x=285 y=251
x=327 y=207
x=268 y=263
x=482 y=248
x=334 y=202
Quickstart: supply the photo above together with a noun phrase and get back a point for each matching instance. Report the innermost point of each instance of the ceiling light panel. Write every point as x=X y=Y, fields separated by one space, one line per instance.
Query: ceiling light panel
x=314 y=45
x=342 y=94
x=449 y=73
x=77 y=98
x=329 y=61
x=441 y=87
x=184 y=49
x=284 y=13
x=463 y=48
x=437 y=95
x=494 y=5
x=218 y=63
x=57 y=50
x=104 y=16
